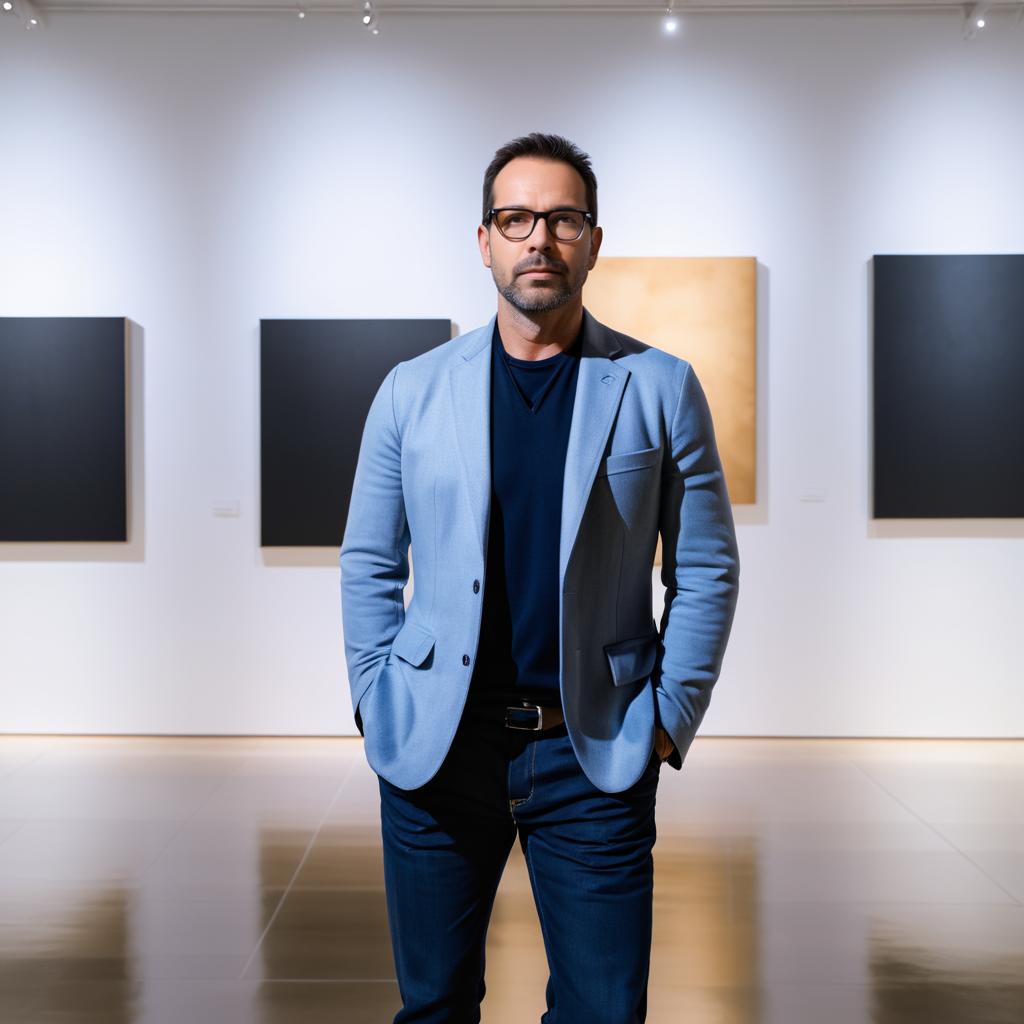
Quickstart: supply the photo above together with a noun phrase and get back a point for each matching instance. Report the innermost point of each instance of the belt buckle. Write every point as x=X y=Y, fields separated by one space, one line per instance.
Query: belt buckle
x=525 y=706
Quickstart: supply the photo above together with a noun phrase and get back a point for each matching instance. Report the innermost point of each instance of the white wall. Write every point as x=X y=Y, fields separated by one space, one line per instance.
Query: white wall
x=198 y=172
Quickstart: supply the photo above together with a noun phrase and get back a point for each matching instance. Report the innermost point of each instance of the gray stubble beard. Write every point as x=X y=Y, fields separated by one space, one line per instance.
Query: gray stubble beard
x=543 y=303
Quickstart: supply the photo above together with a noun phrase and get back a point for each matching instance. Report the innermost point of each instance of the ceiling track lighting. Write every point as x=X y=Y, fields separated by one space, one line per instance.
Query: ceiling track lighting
x=369 y=18
x=25 y=11
x=975 y=19
x=670 y=23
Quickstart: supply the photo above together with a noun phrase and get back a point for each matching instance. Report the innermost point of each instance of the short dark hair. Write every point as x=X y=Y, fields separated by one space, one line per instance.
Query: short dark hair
x=548 y=147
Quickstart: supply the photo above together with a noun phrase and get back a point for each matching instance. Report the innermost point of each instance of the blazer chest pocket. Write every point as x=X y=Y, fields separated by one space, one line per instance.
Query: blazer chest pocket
x=620 y=462
x=631 y=480
x=413 y=644
x=632 y=661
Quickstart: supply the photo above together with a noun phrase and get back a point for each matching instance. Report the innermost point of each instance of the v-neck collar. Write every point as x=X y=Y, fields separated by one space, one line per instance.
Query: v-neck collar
x=553 y=364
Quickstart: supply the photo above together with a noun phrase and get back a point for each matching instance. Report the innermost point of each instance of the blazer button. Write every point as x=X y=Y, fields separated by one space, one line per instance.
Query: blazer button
x=476 y=586
x=465 y=659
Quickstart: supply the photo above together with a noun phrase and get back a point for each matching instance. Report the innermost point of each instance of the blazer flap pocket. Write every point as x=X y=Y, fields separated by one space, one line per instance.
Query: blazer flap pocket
x=413 y=643
x=621 y=461
x=631 y=660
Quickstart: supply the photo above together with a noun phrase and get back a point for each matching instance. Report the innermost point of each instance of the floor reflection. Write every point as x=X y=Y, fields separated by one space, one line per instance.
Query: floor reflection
x=66 y=953
x=935 y=977
x=240 y=880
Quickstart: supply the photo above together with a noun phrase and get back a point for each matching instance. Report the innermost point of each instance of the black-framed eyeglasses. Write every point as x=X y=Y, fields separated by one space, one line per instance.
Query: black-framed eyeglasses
x=517 y=224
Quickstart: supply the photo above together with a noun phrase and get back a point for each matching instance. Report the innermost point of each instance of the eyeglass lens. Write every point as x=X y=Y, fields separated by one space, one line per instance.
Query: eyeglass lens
x=516 y=225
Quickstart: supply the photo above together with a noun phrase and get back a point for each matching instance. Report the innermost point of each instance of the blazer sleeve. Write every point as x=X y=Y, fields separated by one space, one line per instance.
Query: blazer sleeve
x=374 y=555
x=699 y=569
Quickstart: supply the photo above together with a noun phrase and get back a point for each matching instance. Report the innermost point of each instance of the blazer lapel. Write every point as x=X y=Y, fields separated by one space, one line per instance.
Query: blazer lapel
x=599 y=390
x=469 y=387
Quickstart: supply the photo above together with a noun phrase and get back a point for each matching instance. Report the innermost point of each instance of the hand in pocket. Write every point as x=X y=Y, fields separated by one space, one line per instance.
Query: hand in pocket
x=663 y=743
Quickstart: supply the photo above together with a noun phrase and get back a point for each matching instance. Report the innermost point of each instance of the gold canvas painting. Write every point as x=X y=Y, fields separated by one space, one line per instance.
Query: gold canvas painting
x=704 y=310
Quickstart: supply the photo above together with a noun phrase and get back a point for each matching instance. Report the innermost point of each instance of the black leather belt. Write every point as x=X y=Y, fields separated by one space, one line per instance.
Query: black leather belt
x=533 y=717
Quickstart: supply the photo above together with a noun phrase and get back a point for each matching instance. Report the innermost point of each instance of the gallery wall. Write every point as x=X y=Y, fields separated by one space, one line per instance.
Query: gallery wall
x=197 y=173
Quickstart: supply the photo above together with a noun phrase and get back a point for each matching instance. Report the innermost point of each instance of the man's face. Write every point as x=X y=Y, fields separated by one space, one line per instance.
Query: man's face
x=539 y=184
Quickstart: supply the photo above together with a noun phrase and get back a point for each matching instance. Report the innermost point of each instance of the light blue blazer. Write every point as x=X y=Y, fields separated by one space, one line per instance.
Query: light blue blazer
x=641 y=459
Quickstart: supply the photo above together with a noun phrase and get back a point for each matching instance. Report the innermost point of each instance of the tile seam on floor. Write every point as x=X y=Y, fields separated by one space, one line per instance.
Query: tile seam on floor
x=182 y=822
x=323 y=981
x=28 y=764
x=7 y=839
x=298 y=868
x=949 y=842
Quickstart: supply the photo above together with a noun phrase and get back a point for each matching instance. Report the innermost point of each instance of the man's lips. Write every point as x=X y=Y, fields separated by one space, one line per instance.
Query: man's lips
x=541 y=270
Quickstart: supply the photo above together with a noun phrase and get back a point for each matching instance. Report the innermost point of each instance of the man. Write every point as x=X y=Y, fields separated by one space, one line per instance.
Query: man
x=527 y=690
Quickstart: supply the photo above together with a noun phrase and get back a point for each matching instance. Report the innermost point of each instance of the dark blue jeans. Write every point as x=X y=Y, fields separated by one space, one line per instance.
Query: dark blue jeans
x=590 y=863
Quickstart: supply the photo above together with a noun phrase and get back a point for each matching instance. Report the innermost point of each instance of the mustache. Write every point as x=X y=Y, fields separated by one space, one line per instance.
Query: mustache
x=541 y=266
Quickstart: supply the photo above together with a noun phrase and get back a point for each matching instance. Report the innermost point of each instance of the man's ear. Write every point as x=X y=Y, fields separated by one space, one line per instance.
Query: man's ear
x=484 y=241
x=596 y=238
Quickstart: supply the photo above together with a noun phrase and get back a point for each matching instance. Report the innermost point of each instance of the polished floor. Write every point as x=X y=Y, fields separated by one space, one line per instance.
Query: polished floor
x=185 y=881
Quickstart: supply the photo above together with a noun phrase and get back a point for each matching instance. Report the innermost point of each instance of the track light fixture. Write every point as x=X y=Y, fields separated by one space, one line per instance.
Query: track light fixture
x=24 y=10
x=369 y=18
x=975 y=19
x=670 y=24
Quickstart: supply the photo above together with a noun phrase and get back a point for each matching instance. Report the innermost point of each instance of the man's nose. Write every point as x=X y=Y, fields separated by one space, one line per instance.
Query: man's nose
x=541 y=237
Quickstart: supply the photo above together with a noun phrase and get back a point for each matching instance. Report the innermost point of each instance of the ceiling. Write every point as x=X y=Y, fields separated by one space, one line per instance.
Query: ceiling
x=523 y=7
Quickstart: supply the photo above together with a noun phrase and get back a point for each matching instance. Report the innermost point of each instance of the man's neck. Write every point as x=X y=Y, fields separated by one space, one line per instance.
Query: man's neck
x=533 y=336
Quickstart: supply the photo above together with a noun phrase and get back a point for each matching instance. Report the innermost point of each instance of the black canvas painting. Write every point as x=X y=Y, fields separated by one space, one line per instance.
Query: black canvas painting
x=948 y=386
x=63 y=465
x=317 y=380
